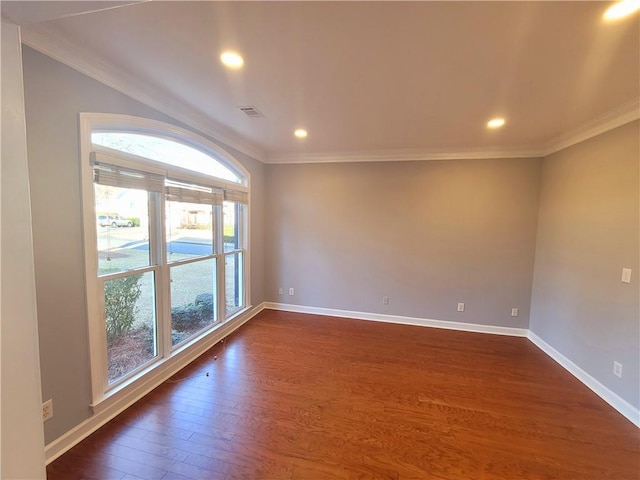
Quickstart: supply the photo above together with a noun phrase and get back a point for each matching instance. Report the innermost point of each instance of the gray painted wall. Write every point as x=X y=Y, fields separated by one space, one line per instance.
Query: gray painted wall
x=54 y=95
x=588 y=231
x=426 y=234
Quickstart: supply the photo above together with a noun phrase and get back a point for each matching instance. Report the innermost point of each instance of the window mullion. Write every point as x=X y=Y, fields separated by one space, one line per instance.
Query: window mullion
x=218 y=232
x=126 y=273
x=231 y=252
x=242 y=240
x=163 y=287
x=104 y=368
x=187 y=261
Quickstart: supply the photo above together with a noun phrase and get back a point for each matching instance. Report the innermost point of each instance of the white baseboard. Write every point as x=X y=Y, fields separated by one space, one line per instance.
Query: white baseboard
x=110 y=409
x=379 y=317
x=621 y=405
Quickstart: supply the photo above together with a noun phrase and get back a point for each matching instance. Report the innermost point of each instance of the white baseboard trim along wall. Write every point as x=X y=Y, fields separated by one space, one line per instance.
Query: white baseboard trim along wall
x=622 y=406
x=74 y=436
x=421 y=322
x=101 y=416
x=612 y=398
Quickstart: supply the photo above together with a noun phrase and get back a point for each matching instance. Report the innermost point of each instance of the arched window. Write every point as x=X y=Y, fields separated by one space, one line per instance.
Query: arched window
x=166 y=242
x=165 y=150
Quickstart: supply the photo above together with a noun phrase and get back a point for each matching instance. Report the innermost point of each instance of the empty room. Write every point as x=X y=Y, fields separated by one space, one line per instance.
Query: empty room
x=320 y=240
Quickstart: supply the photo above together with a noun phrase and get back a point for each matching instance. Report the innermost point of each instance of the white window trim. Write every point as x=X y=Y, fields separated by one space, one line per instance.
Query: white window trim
x=89 y=122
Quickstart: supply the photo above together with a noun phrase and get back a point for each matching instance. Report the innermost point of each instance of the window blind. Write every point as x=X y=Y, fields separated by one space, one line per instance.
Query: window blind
x=105 y=173
x=189 y=193
x=236 y=196
x=115 y=176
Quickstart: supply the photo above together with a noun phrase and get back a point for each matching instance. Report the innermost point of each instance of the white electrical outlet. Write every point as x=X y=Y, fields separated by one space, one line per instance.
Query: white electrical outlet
x=461 y=307
x=47 y=410
x=626 y=275
x=385 y=300
x=291 y=291
x=280 y=291
x=617 y=369
x=514 y=312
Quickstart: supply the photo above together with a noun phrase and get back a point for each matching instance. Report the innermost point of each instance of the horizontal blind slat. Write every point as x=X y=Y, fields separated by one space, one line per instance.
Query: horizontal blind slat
x=236 y=196
x=210 y=196
x=114 y=176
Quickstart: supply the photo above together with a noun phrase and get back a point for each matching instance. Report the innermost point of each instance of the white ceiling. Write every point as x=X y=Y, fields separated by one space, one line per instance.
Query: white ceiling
x=366 y=79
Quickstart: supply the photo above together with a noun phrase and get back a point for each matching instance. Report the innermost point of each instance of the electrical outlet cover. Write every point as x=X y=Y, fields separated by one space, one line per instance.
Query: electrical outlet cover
x=47 y=410
x=626 y=275
x=617 y=369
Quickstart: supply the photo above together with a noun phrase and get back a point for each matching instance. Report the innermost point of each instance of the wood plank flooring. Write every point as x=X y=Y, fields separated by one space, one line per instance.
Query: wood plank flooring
x=304 y=397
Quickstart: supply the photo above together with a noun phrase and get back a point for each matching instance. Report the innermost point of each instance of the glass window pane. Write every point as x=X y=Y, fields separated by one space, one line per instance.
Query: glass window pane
x=189 y=230
x=122 y=228
x=165 y=151
x=130 y=315
x=193 y=298
x=234 y=282
x=231 y=217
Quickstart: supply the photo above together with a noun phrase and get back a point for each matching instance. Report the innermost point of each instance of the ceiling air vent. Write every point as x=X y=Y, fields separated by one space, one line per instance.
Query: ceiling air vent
x=251 y=111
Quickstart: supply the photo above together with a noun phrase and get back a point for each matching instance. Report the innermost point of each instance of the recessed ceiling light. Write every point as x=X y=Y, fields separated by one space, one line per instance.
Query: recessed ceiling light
x=621 y=9
x=300 y=133
x=232 y=59
x=496 y=123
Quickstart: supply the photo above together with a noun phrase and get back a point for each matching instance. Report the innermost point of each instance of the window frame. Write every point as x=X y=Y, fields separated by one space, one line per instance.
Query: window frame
x=239 y=213
x=91 y=122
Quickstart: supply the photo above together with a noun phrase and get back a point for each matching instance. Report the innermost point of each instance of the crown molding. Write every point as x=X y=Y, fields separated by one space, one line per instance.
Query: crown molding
x=625 y=113
x=21 y=15
x=47 y=41
x=404 y=155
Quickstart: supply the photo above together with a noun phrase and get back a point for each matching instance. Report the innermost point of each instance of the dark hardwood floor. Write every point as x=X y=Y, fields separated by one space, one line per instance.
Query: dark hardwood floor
x=294 y=396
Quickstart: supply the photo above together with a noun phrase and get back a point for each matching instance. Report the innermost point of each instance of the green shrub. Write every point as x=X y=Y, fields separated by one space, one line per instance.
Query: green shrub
x=204 y=303
x=185 y=318
x=134 y=220
x=177 y=337
x=120 y=297
x=188 y=317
